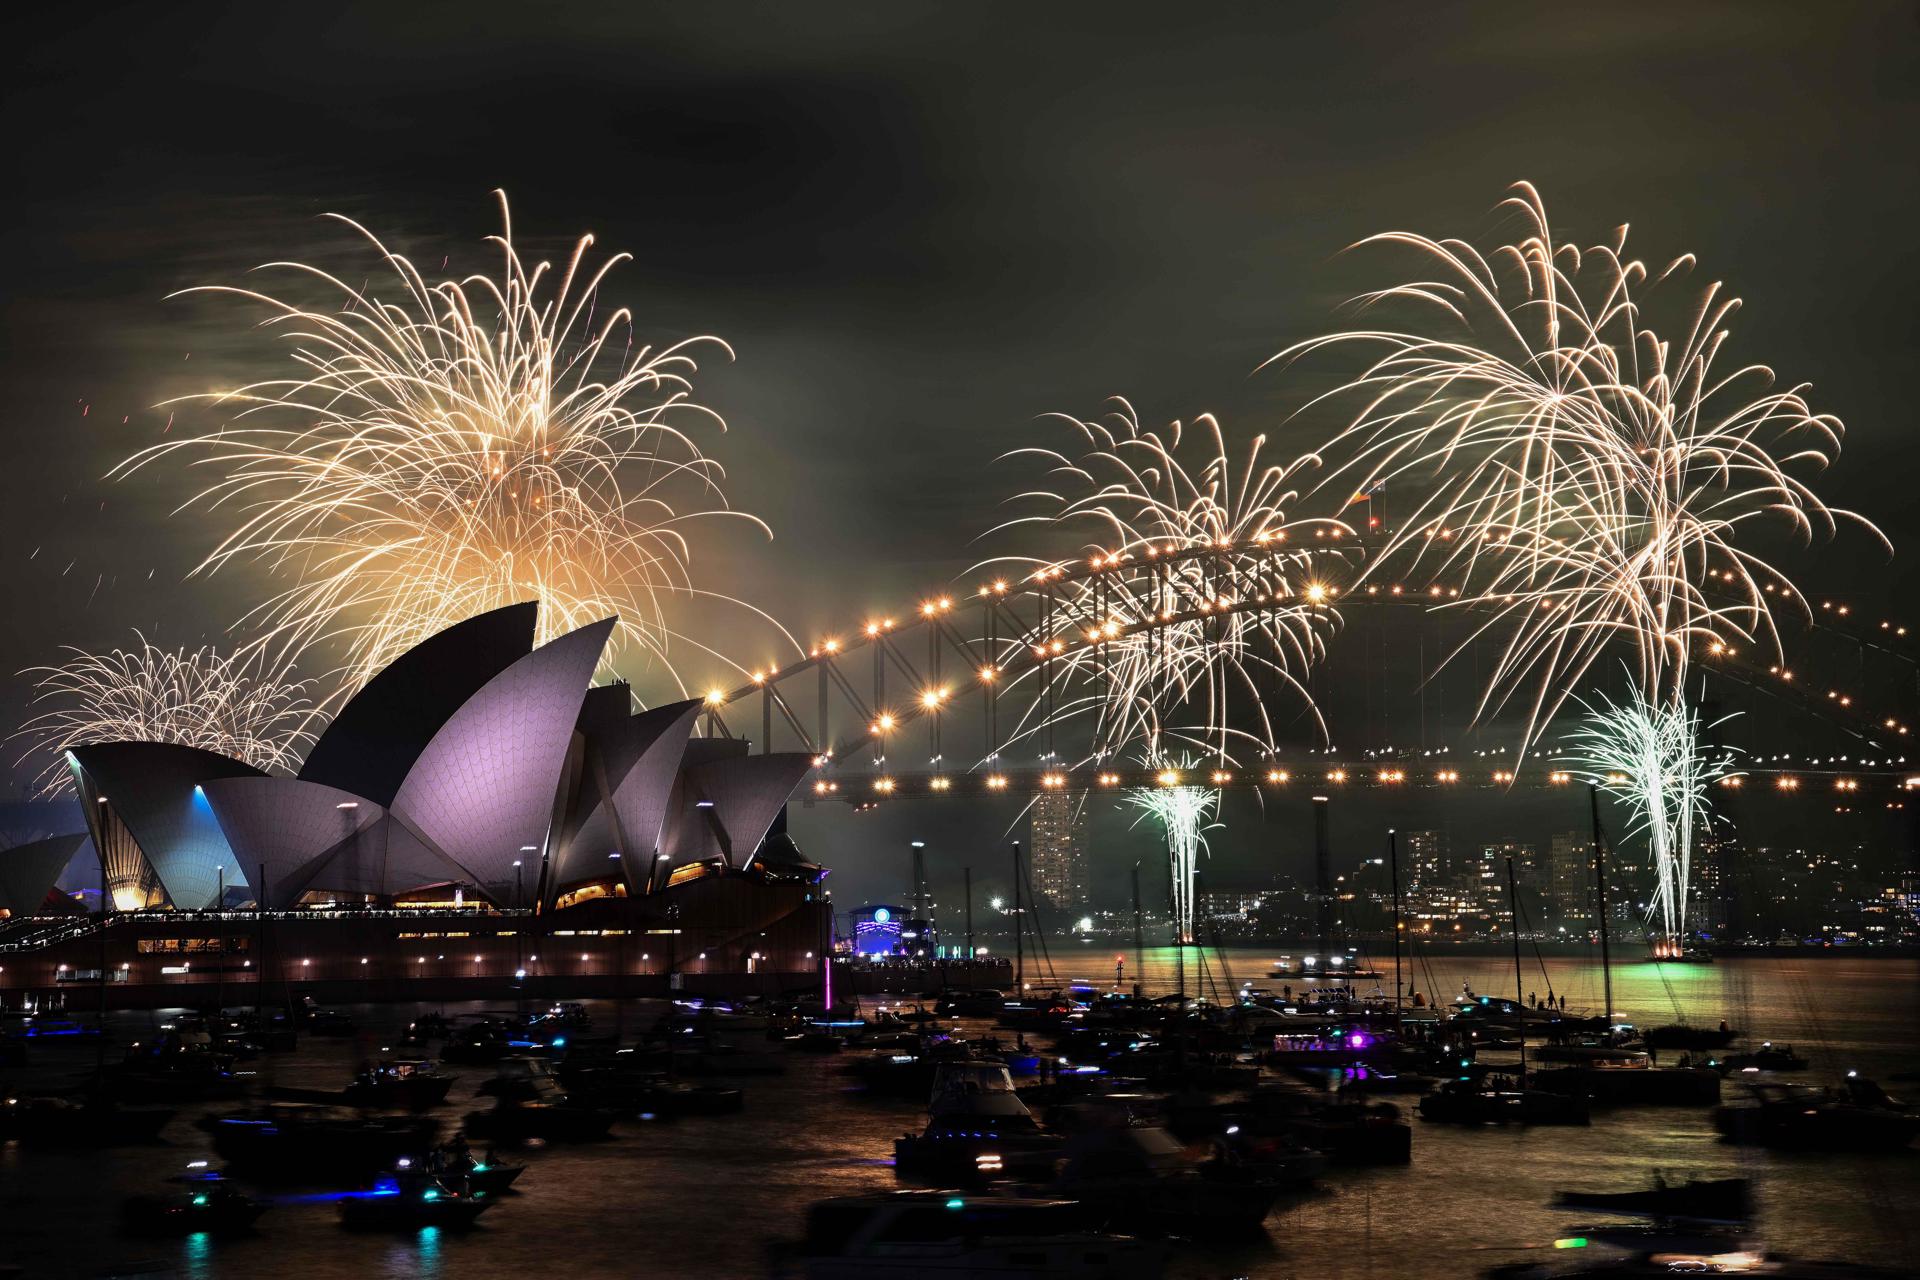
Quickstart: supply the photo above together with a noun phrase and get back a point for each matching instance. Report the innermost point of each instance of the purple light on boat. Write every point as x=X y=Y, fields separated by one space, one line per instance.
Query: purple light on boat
x=1359 y=1040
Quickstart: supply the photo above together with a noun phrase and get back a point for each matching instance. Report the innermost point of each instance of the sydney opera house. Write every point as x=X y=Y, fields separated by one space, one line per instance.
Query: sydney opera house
x=476 y=815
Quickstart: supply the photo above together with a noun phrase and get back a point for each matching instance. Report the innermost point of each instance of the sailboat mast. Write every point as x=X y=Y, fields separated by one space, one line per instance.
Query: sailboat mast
x=1393 y=864
x=1139 y=934
x=1600 y=885
x=971 y=952
x=1019 y=956
x=1519 y=995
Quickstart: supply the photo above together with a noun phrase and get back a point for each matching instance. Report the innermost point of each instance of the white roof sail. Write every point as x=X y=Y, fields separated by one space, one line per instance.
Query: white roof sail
x=482 y=791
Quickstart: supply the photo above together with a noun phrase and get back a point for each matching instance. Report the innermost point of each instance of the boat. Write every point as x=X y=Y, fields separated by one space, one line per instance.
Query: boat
x=1648 y=1253
x=1768 y=1057
x=1334 y=1046
x=915 y=1235
x=411 y=1084
x=455 y=1164
x=650 y=1094
x=428 y=1026
x=478 y=1040
x=303 y=1143
x=570 y=1013
x=1494 y=1100
x=94 y=1121
x=329 y=1022
x=206 y=1203
x=1679 y=1035
x=177 y=1066
x=267 y=1033
x=982 y=1003
x=1630 y=1079
x=977 y=1127
x=1673 y=953
x=1724 y=1200
x=410 y=1206
x=1346 y=1132
x=1860 y=1117
x=1140 y=1177
x=405 y=1084
x=529 y=1102
x=1463 y=1102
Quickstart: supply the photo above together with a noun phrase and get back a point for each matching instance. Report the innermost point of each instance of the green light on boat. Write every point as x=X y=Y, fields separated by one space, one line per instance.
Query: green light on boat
x=199 y=1202
x=956 y=1203
x=1570 y=1242
x=431 y=1194
x=479 y=1168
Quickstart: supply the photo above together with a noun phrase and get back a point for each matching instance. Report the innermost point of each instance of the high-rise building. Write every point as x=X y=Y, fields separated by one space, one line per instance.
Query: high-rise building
x=1710 y=897
x=1491 y=883
x=1424 y=863
x=1569 y=890
x=1057 y=824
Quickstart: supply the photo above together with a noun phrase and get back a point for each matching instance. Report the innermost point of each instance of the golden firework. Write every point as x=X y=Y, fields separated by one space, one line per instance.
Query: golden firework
x=450 y=447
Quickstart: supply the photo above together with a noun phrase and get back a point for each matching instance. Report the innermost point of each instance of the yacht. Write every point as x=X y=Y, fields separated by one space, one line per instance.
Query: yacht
x=1462 y=1102
x=530 y=1103
x=977 y=1127
x=918 y=1235
x=1860 y=1117
x=1141 y=1176
x=302 y=1143
x=1629 y=1078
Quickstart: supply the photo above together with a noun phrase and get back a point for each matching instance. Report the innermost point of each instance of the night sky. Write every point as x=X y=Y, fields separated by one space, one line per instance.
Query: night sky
x=920 y=227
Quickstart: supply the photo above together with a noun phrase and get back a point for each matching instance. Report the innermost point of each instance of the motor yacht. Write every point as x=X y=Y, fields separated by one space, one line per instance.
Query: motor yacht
x=916 y=1235
x=977 y=1128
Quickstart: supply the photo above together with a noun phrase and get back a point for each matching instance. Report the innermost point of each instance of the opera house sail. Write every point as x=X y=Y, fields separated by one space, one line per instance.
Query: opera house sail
x=476 y=773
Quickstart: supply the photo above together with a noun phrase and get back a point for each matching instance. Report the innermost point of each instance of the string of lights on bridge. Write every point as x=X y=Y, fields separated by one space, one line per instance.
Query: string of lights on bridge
x=932 y=700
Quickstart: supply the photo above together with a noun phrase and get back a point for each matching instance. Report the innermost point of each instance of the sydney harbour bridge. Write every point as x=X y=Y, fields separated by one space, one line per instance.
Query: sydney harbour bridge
x=962 y=692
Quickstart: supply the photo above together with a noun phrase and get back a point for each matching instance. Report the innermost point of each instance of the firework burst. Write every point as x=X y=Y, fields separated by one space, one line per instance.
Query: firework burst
x=1649 y=755
x=236 y=705
x=1182 y=813
x=447 y=448
x=1200 y=607
x=1587 y=481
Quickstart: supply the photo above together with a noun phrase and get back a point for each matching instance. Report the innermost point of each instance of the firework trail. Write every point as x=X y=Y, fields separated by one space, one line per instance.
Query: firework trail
x=1178 y=641
x=447 y=448
x=1586 y=480
x=1182 y=812
x=1649 y=755
x=233 y=704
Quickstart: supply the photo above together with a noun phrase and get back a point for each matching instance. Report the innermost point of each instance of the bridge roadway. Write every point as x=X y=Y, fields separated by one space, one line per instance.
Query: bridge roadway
x=1843 y=785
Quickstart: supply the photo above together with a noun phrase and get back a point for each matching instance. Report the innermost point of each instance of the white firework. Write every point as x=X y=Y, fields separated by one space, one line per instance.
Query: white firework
x=1200 y=609
x=1649 y=755
x=1582 y=480
x=235 y=704
x=1182 y=812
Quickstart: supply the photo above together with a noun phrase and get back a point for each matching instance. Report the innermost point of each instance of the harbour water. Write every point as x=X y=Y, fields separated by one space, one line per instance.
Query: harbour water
x=705 y=1196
